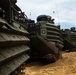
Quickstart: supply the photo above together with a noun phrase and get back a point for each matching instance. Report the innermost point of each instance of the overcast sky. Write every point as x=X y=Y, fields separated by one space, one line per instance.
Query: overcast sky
x=63 y=11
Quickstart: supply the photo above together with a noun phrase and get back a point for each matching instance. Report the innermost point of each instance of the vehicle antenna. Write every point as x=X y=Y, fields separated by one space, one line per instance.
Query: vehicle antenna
x=57 y=12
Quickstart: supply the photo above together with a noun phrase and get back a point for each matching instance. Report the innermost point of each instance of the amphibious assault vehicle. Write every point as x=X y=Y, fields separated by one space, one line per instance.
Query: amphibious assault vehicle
x=46 y=39
x=69 y=37
x=13 y=38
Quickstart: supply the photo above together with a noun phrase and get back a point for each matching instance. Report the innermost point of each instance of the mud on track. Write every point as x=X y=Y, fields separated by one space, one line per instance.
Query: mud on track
x=64 y=66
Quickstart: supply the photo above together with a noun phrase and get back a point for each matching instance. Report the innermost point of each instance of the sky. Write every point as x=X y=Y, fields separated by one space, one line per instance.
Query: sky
x=63 y=11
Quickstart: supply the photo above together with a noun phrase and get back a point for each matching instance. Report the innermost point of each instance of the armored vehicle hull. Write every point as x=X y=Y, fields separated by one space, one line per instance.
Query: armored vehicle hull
x=14 y=50
x=69 y=37
x=46 y=39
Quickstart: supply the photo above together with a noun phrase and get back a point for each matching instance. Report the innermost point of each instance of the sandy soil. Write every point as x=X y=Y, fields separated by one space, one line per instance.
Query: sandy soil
x=64 y=66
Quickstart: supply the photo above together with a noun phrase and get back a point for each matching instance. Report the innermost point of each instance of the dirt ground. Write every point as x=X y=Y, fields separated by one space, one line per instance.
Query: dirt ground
x=64 y=66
